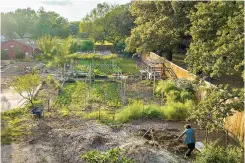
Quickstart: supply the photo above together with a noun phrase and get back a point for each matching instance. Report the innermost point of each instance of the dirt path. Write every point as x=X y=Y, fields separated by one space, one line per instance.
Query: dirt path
x=63 y=141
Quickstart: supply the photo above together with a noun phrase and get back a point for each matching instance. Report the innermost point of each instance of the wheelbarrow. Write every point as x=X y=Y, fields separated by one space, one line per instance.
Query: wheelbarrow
x=37 y=111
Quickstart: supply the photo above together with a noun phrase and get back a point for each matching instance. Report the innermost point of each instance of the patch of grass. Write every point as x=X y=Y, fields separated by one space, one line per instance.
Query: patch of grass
x=138 y=110
x=64 y=112
x=112 y=156
x=103 y=114
x=177 y=110
x=127 y=65
x=15 y=124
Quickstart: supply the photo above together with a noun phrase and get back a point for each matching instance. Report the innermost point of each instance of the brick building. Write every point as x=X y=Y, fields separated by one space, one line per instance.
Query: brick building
x=25 y=46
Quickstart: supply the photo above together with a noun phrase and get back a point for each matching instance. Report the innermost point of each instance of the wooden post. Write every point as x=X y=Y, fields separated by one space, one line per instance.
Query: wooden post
x=226 y=138
x=206 y=135
x=48 y=104
x=154 y=77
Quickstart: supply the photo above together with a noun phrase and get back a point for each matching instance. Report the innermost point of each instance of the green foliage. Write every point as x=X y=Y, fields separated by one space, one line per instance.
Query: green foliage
x=91 y=56
x=104 y=115
x=27 y=83
x=73 y=96
x=64 y=112
x=179 y=90
x=180 y=98
x=159 y=25
x=86 y=45
x=177 y=110
x=216 y=106
x=14 y=125
x=19 y=22
x=4 y=55
x=112 y=156
x=127 y=65
x=18 y=54
x=217 y=45
x=138 y=110
x=108 y=23
x=218 y=154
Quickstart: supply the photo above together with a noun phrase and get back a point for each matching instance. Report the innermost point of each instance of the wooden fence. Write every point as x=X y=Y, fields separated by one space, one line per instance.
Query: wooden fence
x=234 y=124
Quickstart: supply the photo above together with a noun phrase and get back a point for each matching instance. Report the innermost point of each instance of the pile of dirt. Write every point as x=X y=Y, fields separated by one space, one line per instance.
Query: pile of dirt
x=65 y=140
x=166 y=139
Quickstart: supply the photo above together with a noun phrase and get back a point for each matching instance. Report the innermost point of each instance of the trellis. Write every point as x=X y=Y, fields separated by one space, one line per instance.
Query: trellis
x=111 y=68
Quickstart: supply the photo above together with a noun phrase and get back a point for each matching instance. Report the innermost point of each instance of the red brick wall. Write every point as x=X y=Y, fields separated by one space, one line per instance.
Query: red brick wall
x=23 y=48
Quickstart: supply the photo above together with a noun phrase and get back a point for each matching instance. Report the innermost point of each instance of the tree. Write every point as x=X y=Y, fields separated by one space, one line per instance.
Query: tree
x=216 y=153
x=48 y=45
x=217 y=38
x=159 y=25
x=26 y=86
x=216 y=106
x=21 y=21
x=50 y=23
x=73 y=27
x=113 y=24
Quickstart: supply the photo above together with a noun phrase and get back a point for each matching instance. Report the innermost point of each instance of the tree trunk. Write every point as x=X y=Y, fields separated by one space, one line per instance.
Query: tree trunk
x=169 y=55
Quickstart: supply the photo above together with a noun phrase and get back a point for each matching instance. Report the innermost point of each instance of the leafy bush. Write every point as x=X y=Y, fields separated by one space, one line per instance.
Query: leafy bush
x=86 y=45
x=64 y=112
x=104 y=115
x=120 y=47
x=177 y=110
x=18 y=54
x=14 y=125
x=112 y=156
x=4 y=55
x=138 y=110
x=218 y=154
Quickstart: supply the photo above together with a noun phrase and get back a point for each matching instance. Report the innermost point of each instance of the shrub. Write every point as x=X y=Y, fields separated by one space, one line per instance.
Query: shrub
x=218 y=154
x=112 y=156
x=138 y=110
x=168 y=86
x=153 y=111
x=120 y=47
x=64 y=112
x=18 y=54
x=14 y=125
x=86 y=45
x=4 y=55
x=104 y=115
x=177 y=110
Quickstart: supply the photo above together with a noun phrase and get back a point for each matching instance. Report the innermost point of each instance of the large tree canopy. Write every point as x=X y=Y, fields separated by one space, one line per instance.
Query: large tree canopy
x=22 y=21
x=159 y=25
x=217 y=38
x=108 y=23
x=19 y=22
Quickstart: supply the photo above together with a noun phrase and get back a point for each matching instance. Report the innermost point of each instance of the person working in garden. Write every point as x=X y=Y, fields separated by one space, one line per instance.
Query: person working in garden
x=190 y=139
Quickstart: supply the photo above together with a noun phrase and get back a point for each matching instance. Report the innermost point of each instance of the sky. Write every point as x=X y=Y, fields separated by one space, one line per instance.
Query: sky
x=73 y=10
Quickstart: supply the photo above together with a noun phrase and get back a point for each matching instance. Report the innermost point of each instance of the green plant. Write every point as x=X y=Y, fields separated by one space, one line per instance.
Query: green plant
x=138 y=110
x=18 y=54
x=4 y=55
x=64 y=112
x=104 y=115
x=14 y=124
x=218 y=154
x=111 y=156
x=177 y=110
x=86 y=45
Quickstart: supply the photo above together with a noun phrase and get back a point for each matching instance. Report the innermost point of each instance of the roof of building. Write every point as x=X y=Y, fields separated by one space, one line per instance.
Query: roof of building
x=27 y=42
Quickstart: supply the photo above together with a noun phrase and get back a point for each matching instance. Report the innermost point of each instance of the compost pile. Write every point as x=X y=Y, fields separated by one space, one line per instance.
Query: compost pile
x=65 y=140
